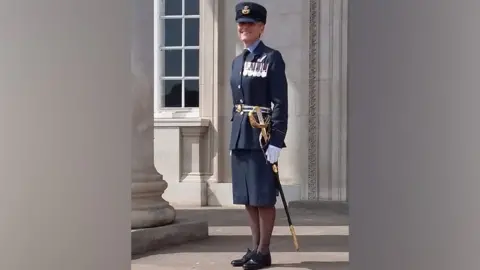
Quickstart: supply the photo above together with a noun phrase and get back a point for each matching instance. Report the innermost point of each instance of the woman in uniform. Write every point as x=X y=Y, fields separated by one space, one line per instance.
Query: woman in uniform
x=257 y=79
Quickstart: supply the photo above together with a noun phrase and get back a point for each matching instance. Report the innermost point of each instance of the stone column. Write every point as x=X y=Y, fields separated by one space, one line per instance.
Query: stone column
x=414 y=134
x=65 y=160
x=149 y=209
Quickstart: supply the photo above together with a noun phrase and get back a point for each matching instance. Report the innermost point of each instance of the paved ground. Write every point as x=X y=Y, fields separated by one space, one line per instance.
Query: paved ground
x=322 y=236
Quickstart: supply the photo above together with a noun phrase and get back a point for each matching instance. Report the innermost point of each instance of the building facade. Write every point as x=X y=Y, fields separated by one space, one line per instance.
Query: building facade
x=192 y=44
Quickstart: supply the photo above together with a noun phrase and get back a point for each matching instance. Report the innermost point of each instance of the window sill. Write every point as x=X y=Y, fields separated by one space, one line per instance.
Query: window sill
x=181 y=122
x=177 y=113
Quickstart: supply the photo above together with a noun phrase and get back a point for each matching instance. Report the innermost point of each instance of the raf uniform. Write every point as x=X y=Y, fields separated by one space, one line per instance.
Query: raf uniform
x=257 y=79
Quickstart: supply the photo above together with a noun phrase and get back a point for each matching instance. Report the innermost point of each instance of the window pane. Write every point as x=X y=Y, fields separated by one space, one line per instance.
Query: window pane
x=192 y=31
x=173 y=7
x=173 y=32
x=191 y=63
x=173 y=63
x=172 y=93
x=191 y=93
x=192 y=7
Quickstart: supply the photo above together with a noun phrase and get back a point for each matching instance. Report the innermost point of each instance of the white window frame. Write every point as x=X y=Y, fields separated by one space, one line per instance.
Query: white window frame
x=159 y=110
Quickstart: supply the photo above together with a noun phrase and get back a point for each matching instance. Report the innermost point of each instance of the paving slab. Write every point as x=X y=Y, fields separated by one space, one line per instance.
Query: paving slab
x=322 y=236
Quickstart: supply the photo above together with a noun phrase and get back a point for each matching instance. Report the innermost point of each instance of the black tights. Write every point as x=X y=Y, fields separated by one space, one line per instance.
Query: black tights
x=262 y=221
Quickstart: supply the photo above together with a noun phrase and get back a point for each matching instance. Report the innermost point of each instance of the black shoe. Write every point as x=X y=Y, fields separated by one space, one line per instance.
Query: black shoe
x=258 y=261
x=244 y=259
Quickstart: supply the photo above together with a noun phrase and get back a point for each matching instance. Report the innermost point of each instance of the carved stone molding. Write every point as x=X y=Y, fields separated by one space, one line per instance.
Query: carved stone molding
x=327 y=100
x=313 y=86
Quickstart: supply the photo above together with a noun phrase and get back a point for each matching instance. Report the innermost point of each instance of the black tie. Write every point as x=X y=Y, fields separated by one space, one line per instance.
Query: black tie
x=246 y=52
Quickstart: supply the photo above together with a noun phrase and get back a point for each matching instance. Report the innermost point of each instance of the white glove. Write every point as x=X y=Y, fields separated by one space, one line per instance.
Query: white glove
x=273 y=153
x=230 y=152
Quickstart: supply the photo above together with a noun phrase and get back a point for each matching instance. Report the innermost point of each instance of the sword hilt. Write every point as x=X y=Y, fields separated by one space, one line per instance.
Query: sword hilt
x=261 y=124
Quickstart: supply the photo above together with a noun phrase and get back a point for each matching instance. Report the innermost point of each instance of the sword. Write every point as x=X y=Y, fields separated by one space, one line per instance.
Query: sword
x=285 y=206
x=263 y=125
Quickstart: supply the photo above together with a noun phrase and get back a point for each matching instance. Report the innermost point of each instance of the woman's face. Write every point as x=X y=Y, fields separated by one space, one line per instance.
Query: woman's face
x=249 y=32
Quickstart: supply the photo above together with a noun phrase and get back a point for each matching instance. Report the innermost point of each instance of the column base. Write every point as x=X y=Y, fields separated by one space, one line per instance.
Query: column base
x=149 y=209
x=154 y=217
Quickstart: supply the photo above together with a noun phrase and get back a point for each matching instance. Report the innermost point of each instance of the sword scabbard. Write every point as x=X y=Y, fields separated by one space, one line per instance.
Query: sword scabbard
x=263 y=125
x=294 y=235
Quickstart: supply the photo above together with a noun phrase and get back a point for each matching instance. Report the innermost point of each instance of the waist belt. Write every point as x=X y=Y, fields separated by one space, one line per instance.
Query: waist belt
x=241 y=108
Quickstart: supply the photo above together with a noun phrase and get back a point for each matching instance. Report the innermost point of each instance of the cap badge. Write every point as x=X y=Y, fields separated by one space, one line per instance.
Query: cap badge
x=246 y=10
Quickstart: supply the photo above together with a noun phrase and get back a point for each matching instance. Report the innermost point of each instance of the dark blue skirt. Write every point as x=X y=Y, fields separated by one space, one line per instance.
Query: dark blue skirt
x=253 y=181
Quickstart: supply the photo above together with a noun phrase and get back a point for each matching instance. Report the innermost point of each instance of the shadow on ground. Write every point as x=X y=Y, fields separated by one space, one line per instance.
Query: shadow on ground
x=317 y=251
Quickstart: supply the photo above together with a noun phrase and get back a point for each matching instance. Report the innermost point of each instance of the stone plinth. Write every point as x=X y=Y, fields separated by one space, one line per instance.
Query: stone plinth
x=179 y=232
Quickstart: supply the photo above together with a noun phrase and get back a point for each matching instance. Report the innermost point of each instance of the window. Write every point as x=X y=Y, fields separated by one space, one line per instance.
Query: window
x=177 y=38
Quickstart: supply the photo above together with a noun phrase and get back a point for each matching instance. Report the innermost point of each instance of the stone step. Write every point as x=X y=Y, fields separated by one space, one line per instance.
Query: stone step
x=156 y=238
x=338 y=207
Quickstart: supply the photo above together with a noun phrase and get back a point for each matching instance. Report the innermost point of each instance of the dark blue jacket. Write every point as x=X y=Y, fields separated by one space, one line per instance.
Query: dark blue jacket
x=261 y=83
